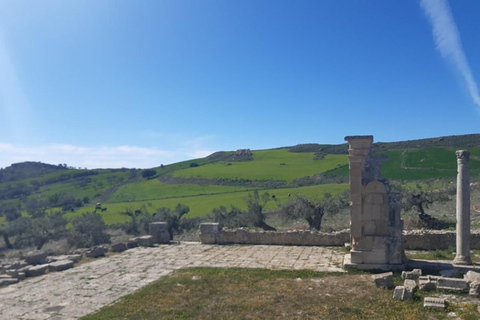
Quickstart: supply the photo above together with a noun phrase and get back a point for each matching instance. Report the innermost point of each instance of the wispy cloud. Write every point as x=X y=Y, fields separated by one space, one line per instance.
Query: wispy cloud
x=96 y=157
x=447 y=40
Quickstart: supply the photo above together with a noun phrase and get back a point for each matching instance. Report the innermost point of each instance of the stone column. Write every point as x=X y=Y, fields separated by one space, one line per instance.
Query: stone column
x=463 y=209
x=358 y=150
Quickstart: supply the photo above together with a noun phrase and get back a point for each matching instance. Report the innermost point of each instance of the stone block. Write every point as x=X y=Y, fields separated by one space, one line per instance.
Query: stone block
x=402 y=293
x=60 y=265
x=474 y=288
x=145 y=241
x=414 y=274
x=14 y=273
x=452 y=284
x=375 y=257
x=356 y=257
x=132 y=243
x=95 y=252
x=119 y=247
x=410 y=285
x=427 y=283
x=384 y=280
x=432 y=302
x=36 y=257
x=37 y=270
x=5 y=281
x=209 y=232
x=159 y=232
x=472 y=276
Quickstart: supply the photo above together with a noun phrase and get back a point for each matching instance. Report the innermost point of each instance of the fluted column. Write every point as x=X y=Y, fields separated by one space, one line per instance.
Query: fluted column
x=463 y=209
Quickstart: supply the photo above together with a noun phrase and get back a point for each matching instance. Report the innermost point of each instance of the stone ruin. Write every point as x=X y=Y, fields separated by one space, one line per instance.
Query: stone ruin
x=375 y=224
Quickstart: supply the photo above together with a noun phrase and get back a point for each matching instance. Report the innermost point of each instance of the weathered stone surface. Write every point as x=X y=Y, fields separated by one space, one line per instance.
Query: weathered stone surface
x=74 y=293
x=427 y=283
x=432 y=302
x=15 y=274
x=132 y=243
x=60 y=265
x=472 y=276
x=119 y=247
x=474 y=288
x=402 y=293
x=452 y=284
x=5 y=281
x=384 y=280
x=159 y=232
x=72 y=257
x=95 y=252
x=209 y=232
x=414 y=274
x=36 y=270
x=449 y=273
x=145 y=241
x=410 y=285
x=36 y=257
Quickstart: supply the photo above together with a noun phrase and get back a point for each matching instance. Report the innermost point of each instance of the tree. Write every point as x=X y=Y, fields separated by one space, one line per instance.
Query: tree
x=132 y=227
x=173 y=219
x=313 y=211
x=11 y=212
x=88 y=230
x=148 y=173
x=49 y=227
x=253 y=217
x=420 y=199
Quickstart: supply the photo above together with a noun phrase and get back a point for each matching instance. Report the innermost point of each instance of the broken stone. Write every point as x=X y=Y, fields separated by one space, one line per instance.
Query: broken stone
x=36 y=257
x=95 y=252
x=384 y=280
x=413 y=275
x=402 y=293
x=36 y=270
x=474 y=288
x=472 y=276
x=452 y=284
x=427 y=283
x=145 y=241
x=15 y=274
x=60 y=265
x=434 y=302
x=410 y=285
x=119 y=247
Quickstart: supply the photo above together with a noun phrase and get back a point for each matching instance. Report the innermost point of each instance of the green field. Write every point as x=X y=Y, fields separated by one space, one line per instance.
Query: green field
x=277 y=164
x=202 y=205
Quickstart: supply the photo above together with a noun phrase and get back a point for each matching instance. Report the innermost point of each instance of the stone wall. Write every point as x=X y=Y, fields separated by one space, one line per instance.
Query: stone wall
x=412 y=240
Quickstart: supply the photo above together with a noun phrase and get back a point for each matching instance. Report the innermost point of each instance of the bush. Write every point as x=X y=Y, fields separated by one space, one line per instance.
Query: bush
x=88 y=230
x=148 y=173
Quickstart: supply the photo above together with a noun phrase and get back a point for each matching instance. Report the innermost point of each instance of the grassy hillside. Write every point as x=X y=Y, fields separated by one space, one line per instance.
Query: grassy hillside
x=207 y=183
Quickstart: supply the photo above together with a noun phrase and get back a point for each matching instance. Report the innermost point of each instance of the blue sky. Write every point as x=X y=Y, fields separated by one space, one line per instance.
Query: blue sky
x=140 y=83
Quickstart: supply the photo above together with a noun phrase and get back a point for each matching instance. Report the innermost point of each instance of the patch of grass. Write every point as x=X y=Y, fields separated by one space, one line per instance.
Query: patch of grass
x=443 y=254
x=264 y=294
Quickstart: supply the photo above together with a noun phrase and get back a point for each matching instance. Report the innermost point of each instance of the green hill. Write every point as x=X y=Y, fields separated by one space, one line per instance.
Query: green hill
x=226 y=178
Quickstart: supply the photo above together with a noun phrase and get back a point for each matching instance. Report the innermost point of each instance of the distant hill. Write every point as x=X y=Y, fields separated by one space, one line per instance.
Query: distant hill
x=226 y=177
x=27 y=170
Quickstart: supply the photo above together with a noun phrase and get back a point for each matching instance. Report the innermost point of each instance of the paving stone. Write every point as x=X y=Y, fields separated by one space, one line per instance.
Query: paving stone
x=60 y=265
x=92 y=285
x=34 y=271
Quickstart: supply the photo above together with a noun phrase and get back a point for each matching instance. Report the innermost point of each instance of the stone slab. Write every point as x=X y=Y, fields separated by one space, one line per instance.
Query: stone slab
x=452 y=284
x=60 y=265
x=35 y=271
x=432 y=302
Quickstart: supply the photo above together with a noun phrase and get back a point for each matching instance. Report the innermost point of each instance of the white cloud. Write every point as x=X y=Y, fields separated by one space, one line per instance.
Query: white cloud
x=96 y=157
x=447 y=40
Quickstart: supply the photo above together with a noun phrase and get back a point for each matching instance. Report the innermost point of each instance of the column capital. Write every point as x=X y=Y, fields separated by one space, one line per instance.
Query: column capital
x=463 y=156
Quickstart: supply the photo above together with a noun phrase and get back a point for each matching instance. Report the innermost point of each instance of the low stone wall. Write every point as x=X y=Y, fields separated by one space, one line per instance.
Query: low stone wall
x=212 y=233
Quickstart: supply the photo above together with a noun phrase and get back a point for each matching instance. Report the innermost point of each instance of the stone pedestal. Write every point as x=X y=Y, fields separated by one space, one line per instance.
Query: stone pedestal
x=159 y=232
x=209 y=232
x=375 y=224
x=463 y=209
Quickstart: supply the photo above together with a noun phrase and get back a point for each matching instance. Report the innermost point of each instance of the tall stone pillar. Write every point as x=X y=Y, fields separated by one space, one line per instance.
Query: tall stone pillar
x=463 y=209
x=358 y=150
x=375 y=224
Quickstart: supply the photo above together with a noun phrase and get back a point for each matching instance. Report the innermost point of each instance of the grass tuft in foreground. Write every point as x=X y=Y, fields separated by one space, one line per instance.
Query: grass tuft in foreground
x=216 y=293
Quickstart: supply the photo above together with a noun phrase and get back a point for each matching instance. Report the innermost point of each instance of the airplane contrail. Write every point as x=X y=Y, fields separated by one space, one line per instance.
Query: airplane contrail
x=447 y=40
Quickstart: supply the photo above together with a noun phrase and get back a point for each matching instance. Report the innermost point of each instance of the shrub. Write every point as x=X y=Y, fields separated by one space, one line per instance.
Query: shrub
x=88 y=230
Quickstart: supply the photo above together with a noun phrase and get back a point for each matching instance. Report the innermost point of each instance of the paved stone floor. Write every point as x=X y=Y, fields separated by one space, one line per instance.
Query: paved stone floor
x=88 y=287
